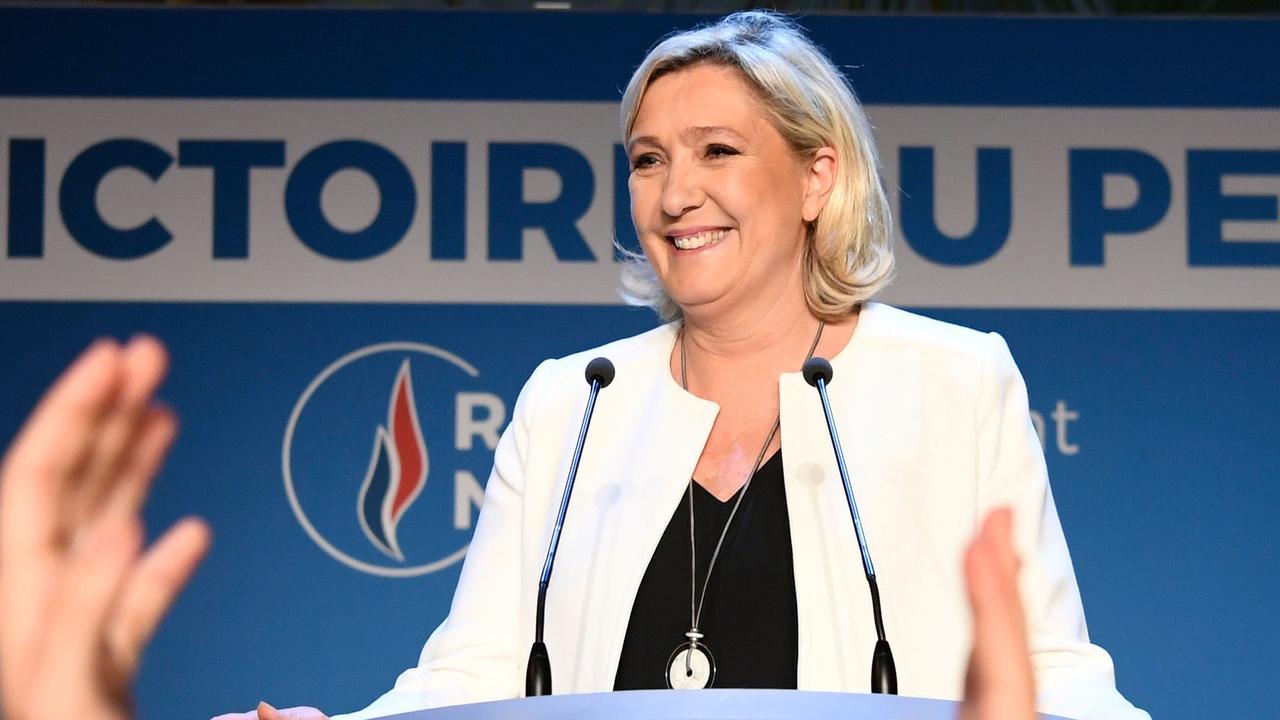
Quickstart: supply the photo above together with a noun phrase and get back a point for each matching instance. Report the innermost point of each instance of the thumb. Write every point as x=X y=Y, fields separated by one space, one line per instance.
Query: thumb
x=267 y=712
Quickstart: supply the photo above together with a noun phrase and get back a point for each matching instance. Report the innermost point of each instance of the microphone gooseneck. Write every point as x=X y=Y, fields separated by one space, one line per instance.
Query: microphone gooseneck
x=884 y=674
x=537 y=679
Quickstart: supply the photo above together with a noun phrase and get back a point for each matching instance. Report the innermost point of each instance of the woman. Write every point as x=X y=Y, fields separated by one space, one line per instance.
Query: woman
x=765 y=231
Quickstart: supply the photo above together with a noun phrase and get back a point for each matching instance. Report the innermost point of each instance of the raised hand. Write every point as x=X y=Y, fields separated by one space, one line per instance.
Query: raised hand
x=79 y=595
x=999 y=684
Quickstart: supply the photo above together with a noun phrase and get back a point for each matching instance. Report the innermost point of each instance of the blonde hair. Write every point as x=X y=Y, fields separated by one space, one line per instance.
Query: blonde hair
x=848 y=252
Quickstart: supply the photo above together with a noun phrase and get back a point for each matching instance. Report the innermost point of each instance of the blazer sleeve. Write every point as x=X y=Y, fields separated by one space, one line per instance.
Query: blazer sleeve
x=475 y=654
x=1074 y=677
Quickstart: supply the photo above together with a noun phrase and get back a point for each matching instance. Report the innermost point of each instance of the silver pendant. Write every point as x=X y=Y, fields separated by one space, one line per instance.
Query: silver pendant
x=691 y=667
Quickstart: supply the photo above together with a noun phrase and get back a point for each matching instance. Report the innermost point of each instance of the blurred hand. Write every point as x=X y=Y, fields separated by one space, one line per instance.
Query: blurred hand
x=999 y=684
x=79 y=596
x=266 y=712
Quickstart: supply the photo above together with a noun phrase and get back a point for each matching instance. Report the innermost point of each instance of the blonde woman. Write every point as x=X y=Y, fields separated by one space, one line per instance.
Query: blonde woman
x=756 y=198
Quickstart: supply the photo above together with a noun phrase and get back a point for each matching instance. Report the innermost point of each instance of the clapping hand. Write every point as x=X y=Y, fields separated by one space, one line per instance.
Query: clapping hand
x=80 y=596
x=999 y=684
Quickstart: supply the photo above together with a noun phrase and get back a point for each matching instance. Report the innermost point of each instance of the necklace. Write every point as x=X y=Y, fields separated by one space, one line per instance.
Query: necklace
x=692 y=666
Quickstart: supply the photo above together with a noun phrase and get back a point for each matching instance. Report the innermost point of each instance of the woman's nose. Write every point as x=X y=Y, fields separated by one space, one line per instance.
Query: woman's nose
x=681 y=191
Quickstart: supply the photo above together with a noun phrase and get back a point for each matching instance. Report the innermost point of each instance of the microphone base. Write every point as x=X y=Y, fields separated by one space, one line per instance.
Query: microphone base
x=884 y=673
x=537 y=677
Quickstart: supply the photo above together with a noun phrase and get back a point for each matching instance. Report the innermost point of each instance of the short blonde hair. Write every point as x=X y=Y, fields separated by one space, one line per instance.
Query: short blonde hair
x=849 y=248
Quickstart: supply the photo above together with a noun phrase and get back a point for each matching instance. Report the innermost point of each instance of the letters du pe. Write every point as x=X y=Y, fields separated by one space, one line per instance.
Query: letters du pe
x=1091 y=220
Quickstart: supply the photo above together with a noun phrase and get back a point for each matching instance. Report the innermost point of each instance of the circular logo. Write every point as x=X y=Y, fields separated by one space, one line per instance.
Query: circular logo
x=384 y=457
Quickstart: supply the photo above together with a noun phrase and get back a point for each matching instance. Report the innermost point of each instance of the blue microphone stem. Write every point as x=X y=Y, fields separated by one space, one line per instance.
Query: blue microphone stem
x=537 y=680
x=848 y=488
x=545 y=579
x=884 y=673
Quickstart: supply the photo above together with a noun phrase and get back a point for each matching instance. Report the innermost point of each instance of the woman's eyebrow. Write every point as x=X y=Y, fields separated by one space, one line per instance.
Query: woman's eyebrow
x=703 y=131
x=642 y=140
x=694 y=133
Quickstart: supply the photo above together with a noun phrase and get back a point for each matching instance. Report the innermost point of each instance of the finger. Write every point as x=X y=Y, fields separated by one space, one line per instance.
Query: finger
x=144 y=363
x=995 y=575
x=151 y=588
x=54 y=441
x=155 y=435
x=1000 y=525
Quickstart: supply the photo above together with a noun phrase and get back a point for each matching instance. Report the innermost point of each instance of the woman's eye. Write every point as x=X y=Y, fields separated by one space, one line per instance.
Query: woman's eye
x=719 y=151
x=642 y=162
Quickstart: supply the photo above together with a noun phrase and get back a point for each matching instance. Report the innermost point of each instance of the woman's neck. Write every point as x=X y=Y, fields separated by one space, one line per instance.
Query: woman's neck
x=748 y=338
x=722 y=352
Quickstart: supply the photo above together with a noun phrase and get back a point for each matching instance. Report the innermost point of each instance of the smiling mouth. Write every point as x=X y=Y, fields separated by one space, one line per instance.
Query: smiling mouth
x=698 y=240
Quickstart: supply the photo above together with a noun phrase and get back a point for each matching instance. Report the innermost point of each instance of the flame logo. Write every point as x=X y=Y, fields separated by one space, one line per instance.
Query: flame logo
x=397 y=469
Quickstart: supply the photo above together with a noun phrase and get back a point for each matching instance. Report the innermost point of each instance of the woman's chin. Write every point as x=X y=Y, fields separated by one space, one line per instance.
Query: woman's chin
x=703 y=303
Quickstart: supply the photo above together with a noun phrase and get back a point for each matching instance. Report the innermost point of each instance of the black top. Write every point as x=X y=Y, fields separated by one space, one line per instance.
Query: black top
x=749 y=619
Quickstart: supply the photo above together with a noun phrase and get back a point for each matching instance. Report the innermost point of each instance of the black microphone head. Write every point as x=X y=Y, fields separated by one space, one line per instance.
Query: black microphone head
x=816 y=368
x=600 y=369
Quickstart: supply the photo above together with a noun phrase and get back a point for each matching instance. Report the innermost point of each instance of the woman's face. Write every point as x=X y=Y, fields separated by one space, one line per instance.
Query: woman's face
x=718 y=197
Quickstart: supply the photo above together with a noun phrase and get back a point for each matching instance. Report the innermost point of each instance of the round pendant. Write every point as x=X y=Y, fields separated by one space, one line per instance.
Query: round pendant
x=691 y=667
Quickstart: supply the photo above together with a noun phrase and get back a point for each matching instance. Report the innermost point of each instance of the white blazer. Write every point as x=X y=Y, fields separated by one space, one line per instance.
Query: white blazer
x=936 y=430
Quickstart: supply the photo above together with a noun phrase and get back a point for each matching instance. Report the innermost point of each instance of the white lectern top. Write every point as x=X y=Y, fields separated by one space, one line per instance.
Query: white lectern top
x=701 y=705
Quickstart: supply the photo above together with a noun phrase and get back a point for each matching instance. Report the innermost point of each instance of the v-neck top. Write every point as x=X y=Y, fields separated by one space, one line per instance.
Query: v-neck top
x=749 y=618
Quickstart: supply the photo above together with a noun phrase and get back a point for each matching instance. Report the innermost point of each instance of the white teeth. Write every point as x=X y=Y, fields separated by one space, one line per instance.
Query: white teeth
x=693 y=242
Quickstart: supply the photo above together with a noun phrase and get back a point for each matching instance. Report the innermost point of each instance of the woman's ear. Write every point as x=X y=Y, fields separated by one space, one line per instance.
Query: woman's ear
x=820 y=179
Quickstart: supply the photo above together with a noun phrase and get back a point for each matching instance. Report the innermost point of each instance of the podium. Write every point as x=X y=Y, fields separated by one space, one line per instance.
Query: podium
x=700 y=705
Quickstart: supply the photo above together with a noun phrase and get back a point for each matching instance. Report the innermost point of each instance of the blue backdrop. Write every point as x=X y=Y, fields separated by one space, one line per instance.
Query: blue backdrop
x=1156 y=388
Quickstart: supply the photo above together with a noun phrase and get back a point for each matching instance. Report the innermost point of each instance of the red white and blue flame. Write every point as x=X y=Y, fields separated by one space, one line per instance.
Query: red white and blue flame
x=397 y=469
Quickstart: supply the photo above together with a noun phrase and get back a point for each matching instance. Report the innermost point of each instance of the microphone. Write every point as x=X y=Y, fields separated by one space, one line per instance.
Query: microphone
x=537 y=679
x=884 y=674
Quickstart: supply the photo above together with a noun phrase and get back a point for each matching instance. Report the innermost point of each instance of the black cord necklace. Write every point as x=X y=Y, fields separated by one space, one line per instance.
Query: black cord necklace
x=692 y=666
